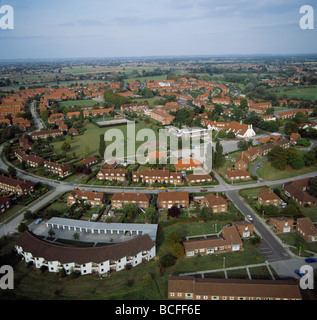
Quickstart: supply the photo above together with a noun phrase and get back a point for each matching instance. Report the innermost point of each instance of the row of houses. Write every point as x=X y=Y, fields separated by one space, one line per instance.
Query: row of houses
x=16 y=186
x=296 y=189
x=191 y=288
x=94 y=260
x=304 y=227
x=62 y=169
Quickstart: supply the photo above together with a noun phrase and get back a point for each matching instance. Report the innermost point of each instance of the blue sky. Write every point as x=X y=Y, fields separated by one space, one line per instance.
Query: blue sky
x=109 y=28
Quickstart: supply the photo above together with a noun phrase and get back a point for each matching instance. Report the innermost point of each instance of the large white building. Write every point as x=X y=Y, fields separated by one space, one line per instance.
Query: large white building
x=90 y=260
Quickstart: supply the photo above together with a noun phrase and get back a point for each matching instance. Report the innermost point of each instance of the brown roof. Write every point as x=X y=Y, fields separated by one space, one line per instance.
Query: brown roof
x=26 y=184
x=307 y=226
x=130 y=196
x=214 y=199
x=173 y=195
x=268 y=194
x=66 y=254
x=91 y=195
x=230 y=237
x=247 y=288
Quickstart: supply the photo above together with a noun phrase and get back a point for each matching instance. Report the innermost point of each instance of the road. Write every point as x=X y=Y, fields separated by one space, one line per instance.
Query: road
x=271 y=247
x=37 y=120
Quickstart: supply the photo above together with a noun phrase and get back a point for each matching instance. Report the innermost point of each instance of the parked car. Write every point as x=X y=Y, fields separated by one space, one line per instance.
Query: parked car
x=162 y=188
x=249 y=217
x=38 y=221
x=151 y=188
x=310 y=260
x=203 y=190
x=299 y=273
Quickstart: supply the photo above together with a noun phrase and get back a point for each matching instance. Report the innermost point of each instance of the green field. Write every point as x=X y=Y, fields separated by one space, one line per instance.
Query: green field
x=267 y=172
x=299 y=93
x=79 y=103
x=89 y=141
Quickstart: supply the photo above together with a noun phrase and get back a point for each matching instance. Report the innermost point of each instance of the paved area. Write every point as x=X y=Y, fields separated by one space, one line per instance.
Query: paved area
x=41 y=230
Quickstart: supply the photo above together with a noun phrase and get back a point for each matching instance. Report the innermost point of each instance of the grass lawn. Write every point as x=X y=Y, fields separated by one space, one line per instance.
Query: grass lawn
x=267 y=172
x=293 y=239
x=90 y=139
x=299 y=93
x=79 y=103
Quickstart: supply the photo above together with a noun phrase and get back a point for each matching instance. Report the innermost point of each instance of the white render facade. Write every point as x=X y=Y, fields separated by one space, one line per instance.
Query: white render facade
x=56 y=257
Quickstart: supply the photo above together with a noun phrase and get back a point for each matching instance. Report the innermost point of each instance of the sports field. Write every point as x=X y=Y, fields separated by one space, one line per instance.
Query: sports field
x=306 y=93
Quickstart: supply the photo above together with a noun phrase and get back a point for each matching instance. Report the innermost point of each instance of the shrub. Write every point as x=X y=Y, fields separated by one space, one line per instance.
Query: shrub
x=168 y=260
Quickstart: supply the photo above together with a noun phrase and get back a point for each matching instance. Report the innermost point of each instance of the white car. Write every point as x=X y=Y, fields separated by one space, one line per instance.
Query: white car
x=249 y=217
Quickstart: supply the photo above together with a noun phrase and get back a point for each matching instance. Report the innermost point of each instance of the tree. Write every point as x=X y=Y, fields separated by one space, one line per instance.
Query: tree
x=205 y=213
x=313 y=187
x=178 y=250
x=150 y=213
x=173 y=238
x=278 y=157
x=65 y=146
x=173 y=212
x=76 y=236
x=168 y=261
x=218 y=157
x=291 y=127
x=102 y=146
x=12 y=172
x=298 y=163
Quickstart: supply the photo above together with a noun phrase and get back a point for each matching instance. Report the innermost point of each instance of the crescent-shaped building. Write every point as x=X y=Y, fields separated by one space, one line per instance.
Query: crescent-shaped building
x=90 y=260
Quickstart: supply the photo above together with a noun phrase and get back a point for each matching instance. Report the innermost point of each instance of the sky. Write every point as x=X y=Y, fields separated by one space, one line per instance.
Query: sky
x=111 y=28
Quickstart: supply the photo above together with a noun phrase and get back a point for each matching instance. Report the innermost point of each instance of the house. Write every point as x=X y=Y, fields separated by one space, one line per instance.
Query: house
x=73 y=132
x=89 y=162
x=88 y=260
x=98 y=112
x=161 y=116
x=16 y=186
x=216 y=203
x=118 y=200
x=179 y=198
x=57 y=168
x=112 y=174
x=294 y=137
x=5 y=204
x=157 y=176
x=297 y=190
x=194 y=178
x=230 y=241
x=268 y=197
x=63 y=126
x=46 y=133
x=306 y=229
x=282 y=224
x=91 y=197
x=234 y=175
x=245 y=228
x=187 y=164
x=241 y=162
x=191 y=288
x=134 y=107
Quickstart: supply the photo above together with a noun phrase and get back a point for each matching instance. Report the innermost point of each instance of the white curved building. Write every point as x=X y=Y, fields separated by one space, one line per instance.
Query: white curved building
x=90 y=260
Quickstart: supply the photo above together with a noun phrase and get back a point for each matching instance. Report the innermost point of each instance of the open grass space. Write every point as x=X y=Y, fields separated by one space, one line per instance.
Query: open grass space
x=306 y=93
x=89 y=141
x=78 y=103
x=267 y=172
